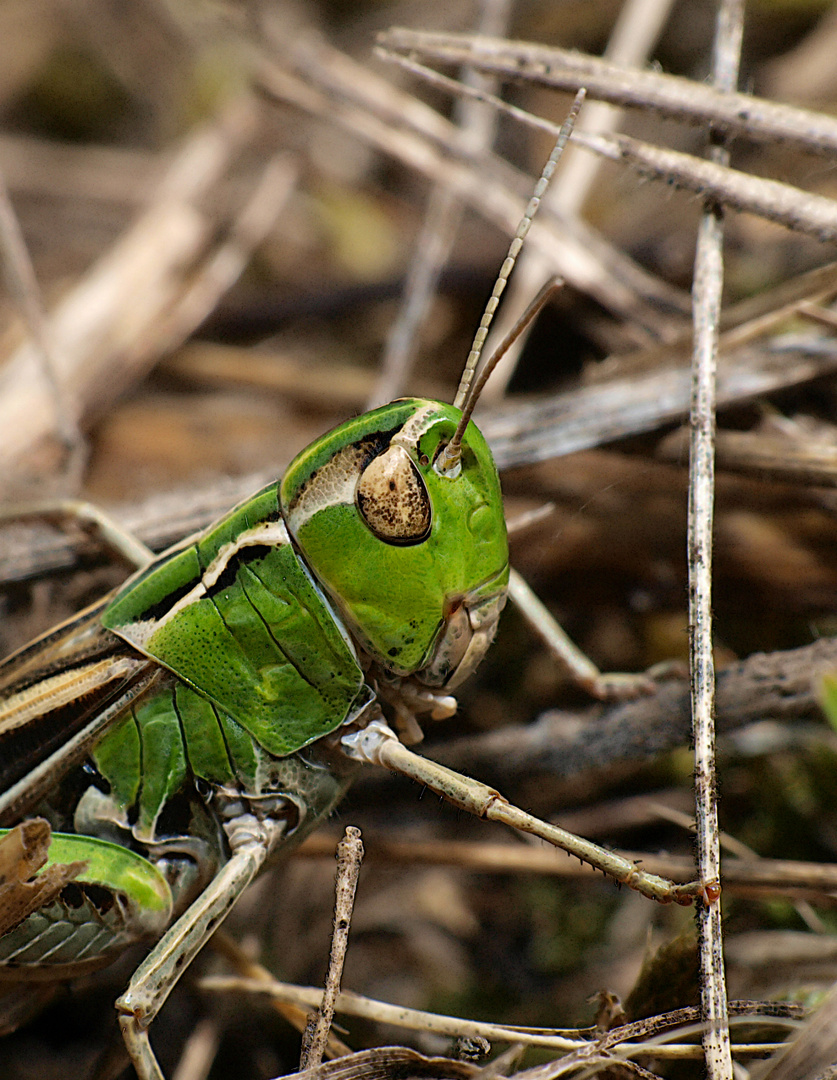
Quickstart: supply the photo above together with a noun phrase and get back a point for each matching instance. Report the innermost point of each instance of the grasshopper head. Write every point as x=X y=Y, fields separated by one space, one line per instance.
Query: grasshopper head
x=416 y=560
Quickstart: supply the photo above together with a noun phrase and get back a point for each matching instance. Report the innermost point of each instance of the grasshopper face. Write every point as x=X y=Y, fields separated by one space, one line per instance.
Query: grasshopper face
x=416 y=561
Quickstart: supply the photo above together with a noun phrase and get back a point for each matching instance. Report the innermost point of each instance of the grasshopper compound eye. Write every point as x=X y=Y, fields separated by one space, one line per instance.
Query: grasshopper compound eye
x=392 y=498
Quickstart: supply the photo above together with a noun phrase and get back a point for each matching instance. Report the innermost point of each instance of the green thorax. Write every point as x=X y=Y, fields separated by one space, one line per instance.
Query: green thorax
x=396 y=591
x=235 y=613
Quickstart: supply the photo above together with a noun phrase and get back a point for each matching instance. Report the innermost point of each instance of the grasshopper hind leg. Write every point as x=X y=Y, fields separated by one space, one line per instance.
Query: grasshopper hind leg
x=91 y=901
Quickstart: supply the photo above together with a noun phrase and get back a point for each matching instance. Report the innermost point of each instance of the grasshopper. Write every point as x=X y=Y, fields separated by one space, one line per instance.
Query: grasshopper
x=213 y=710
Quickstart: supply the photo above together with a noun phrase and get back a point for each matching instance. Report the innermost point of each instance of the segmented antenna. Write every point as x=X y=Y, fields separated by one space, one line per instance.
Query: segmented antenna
x=466 y=396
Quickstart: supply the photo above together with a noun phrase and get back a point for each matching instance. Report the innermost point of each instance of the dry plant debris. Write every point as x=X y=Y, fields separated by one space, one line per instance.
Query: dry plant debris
x=221 y=205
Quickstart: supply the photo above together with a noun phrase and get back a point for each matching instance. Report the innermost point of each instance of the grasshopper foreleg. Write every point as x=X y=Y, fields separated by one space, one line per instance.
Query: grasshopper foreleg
x=377 y=744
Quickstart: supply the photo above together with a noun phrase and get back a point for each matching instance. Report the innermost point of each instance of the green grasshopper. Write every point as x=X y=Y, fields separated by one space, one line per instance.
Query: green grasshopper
x=214 y=709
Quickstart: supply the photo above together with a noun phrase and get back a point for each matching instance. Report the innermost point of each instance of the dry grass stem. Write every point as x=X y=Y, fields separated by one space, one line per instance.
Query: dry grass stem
x=23 y=286
x=776 y=455
x=706 y=291
x=634 y=35
x=247 y=968
x=477 y=123
x=350 y=1004
x=106 y=175
x=317 y=1030
x=198 y=1053
x=713 y=180
x=810 y=1052
x=682 y=99
x=770 y=199
x=107 y=318
x=765 y=688
x=747 y=877
x=519 y=434
x=591 y=416
x=656 y=1036
x=410 y=131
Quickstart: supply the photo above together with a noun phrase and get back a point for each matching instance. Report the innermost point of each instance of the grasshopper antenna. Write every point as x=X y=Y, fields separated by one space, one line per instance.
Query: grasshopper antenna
x=468 y=395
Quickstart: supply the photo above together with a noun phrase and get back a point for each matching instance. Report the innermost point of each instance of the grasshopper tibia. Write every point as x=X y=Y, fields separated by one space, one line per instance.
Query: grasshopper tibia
x=377 y=744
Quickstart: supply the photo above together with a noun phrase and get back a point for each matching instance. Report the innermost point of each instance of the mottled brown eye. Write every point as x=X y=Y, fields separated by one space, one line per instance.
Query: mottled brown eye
x=392 y=498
